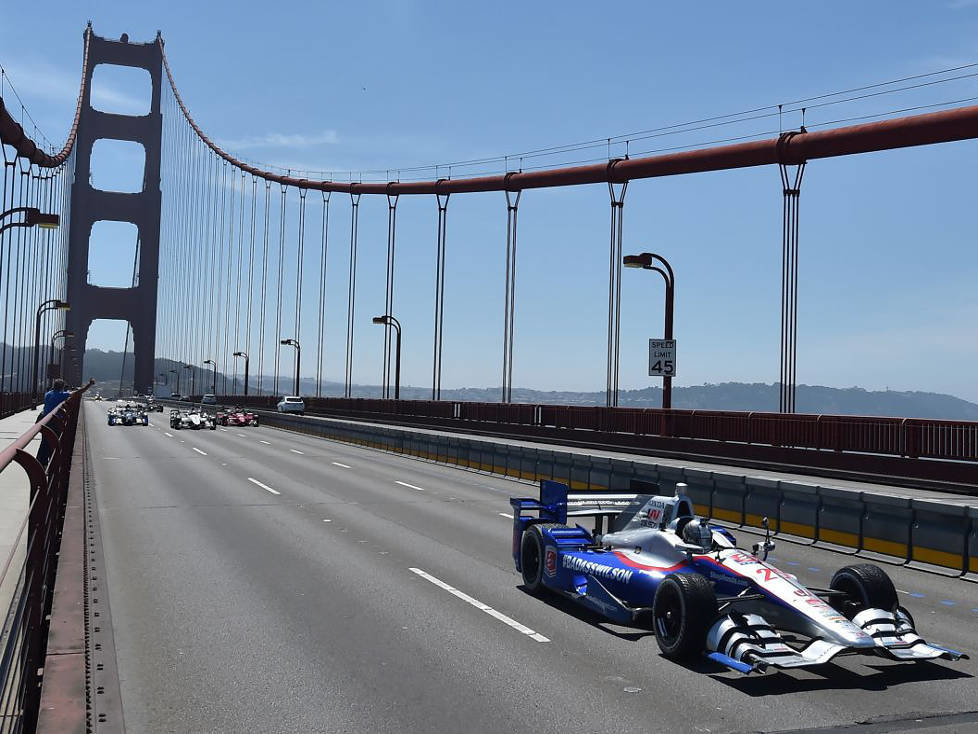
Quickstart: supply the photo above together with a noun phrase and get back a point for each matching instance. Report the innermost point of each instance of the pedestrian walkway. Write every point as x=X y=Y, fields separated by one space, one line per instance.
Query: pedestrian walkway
x=14 y=500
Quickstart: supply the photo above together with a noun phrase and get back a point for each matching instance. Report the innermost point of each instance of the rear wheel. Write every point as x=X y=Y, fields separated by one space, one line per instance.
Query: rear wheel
x=533 y=555
x=866 y=586
x=683 y=610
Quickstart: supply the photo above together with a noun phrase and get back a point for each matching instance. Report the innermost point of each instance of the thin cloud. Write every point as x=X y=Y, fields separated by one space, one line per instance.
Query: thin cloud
x=283 y=140
x=961 y=4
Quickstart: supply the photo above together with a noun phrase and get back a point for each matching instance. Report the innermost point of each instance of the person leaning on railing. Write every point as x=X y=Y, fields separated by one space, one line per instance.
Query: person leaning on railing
x=52 y=399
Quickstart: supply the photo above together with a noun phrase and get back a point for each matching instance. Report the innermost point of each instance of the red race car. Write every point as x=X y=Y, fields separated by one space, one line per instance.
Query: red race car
x=236 y=416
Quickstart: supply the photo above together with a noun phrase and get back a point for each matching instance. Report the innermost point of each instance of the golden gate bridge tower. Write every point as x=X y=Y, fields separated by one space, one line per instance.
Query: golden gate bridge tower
x=135 y=304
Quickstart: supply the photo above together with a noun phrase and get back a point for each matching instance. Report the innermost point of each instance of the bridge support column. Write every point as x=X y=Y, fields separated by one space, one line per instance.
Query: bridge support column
x=137 y=304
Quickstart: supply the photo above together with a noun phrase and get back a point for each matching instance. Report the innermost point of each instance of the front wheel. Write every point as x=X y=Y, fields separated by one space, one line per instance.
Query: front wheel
x=866 y=586
x=683 y=610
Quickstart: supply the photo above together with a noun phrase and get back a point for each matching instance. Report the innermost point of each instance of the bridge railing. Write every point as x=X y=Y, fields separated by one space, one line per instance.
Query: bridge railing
x=29 y=568
x=906 y=437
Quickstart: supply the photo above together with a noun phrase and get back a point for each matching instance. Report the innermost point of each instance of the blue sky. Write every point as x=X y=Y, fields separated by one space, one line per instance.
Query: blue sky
x=888 y=263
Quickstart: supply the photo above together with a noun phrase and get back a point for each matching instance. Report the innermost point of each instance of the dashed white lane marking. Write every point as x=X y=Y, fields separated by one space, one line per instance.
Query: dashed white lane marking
x=202 y=453
x=326 y=519
x=223 y=429
x=345 y=466
x=242 y=435
x=504 y=514
x=411 y=486
x=263 y=486
x=294 y=451
x=509 y=621
x=269 y=443
x=168 y=435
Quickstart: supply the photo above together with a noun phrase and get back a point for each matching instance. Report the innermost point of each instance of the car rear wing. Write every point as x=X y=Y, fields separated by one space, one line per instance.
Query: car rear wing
x=558 y=502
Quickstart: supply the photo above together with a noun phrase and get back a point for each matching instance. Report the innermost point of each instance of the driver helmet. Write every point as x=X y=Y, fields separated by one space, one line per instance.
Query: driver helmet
x=698 y=533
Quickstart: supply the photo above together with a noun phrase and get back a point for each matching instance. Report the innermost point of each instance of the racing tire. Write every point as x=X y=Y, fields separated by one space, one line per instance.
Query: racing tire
x=866 y=586
x=532 y=556
x=683 y=610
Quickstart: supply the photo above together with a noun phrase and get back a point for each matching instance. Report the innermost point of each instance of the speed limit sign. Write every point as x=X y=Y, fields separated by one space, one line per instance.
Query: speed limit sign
x=662 y=357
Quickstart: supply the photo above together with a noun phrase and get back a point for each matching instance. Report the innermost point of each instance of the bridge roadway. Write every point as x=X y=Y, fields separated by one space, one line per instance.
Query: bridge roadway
x=261 y=580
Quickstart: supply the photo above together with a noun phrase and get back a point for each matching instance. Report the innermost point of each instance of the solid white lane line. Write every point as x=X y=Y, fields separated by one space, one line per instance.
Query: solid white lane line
x=411 y=486
x=202 y=453
x=345 y=466
x=510 y=622
x=263 y=486
x=168 y=435
x=297 y=452
x=504 y=514
x=269 y=443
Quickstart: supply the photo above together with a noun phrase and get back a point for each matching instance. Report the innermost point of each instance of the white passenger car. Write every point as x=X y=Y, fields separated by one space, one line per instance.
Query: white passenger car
x=291 y=404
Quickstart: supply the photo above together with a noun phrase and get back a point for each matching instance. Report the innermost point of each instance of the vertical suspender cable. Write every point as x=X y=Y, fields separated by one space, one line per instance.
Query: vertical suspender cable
x=791 y=192
x=278 y=308
x=298 y=274
x=225 y=354
x=442 y=201
x=264 y=273
x=237 y=289
x=351 y=292
x=251 y=268
x=389 y=297
x=322 y=295
x=614 y=286
x=509 y=298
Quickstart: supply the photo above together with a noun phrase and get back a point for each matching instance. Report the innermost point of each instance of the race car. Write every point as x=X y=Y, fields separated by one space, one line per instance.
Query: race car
x=236 y=416
x=661 y=567
x=192 y=419
x=127 y=415
x=152 y=405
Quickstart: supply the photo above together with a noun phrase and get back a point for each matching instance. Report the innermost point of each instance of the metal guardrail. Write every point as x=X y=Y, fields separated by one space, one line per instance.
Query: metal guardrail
x=25 y=627
x=906 y=437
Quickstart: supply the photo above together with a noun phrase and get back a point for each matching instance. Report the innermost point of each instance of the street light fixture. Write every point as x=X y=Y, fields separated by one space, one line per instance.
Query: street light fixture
x=33 y=217
x=193 y=378
x=52 y=304
x=388 y=320
x=298 y=354
x=214 y=381
x=245 y=355
x=651 y=261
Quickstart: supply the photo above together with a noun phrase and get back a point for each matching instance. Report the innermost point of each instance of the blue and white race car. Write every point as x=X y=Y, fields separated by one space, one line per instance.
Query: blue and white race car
x=661 y=567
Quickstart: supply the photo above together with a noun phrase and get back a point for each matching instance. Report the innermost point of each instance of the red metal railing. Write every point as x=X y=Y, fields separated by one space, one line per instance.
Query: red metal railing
x=24 y=637
x=909 y=437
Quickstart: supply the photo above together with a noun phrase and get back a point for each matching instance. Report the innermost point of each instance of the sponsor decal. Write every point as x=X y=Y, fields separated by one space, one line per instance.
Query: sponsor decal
x=550 y=561
x=598 y=570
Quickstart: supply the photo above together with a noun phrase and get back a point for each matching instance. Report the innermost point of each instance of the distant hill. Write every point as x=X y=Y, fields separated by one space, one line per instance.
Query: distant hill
x=105 y=368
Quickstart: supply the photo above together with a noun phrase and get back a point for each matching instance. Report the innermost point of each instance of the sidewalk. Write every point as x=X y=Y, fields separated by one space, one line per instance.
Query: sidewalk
x=14 y=496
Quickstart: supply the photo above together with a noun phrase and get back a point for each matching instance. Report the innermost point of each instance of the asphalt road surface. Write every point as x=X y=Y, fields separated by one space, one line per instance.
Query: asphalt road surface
x=264 y=581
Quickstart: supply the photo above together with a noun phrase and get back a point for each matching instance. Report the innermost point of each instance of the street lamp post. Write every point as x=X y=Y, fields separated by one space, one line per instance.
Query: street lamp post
x=178 y=381
x=245 y=355
x=63 y=334
x=298 y=354
x=214 y=381
x=651 y=261
x=193 y=378
x=33 y=217
x=390 y=320
x=52 y=304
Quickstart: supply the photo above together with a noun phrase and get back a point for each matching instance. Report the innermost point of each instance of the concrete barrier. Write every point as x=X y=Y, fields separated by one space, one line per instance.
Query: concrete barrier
x=886 y=525
x=798 y=514
x=896 y=528
x=840 y=518
x=728 y=497
x=939 y=534
x=762 y=499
